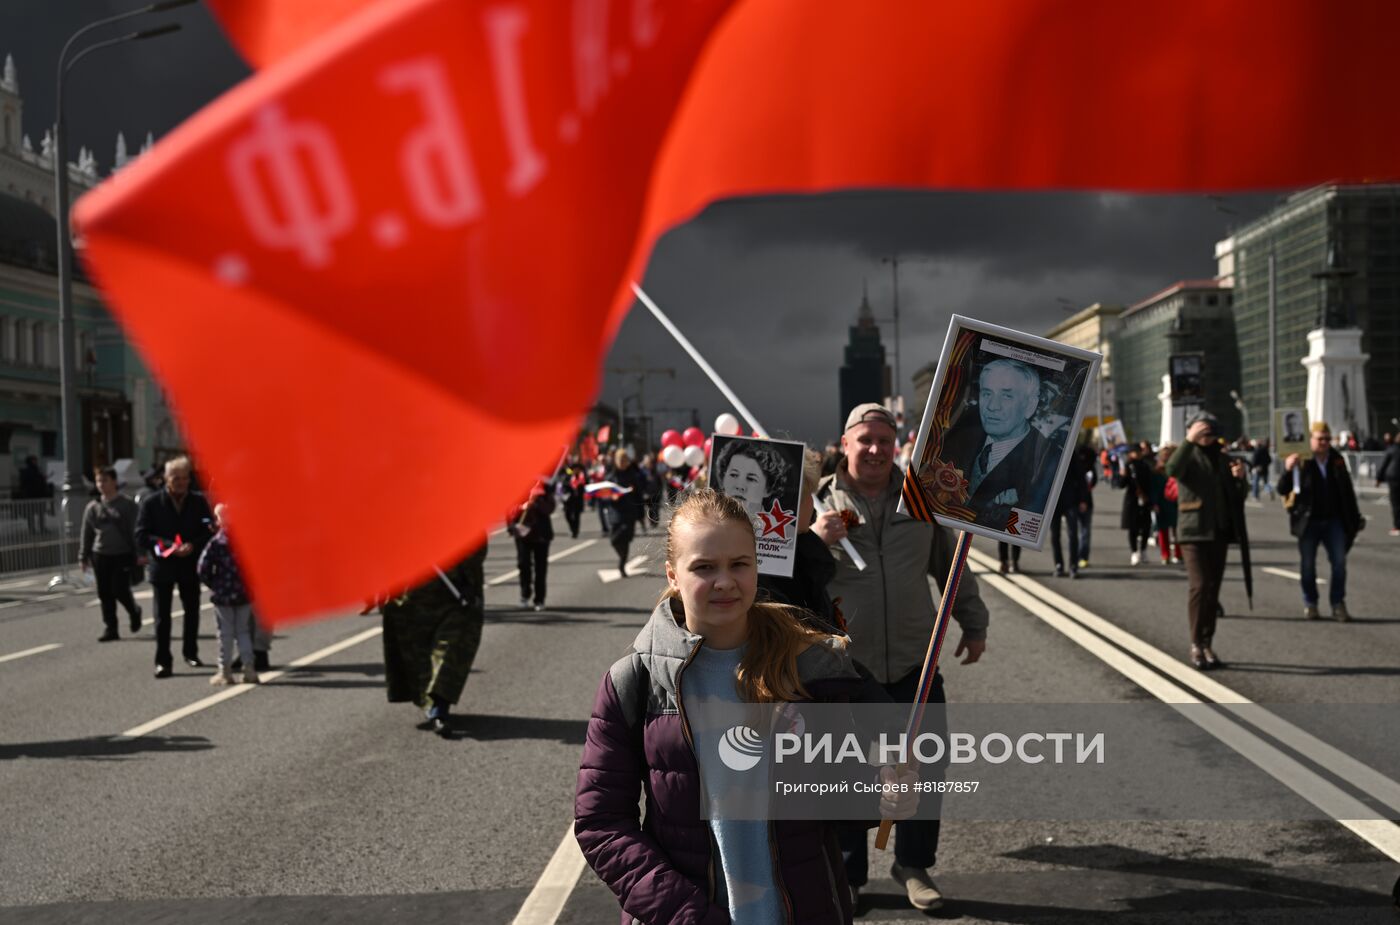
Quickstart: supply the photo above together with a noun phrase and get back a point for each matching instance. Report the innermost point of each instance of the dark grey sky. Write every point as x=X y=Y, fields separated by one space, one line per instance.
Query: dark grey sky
x=765 y=288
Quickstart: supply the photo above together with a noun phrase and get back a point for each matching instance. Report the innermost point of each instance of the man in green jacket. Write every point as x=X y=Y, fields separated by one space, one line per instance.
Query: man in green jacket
x=890 y=609
x=1211 y=489
x=431 y=636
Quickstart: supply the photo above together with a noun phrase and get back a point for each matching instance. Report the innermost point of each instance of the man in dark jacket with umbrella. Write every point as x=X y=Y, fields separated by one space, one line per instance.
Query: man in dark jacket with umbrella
x=172 y=527
x=1211 y=489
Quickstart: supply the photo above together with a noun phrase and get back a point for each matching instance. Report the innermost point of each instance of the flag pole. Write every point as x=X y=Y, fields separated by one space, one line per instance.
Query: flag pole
x=935 y=648
x=739 y=406
x=705 y=367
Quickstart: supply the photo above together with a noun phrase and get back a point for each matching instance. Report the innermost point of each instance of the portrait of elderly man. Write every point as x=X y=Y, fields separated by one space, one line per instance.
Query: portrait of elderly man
x=1001 y=454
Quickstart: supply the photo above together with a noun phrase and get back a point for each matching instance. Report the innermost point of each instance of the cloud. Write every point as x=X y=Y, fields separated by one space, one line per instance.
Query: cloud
x=767 y=287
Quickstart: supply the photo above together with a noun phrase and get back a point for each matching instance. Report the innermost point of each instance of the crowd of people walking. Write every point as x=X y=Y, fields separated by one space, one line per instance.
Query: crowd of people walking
x=830 y=633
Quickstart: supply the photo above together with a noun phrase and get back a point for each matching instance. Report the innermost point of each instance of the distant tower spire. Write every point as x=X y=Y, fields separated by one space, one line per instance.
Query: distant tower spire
x=866 y=315
x=148 y=144
x=121 y=157
x=11 y=79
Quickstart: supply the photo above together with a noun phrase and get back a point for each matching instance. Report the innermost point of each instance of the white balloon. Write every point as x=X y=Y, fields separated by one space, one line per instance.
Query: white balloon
x=673 y=456
x=695 y=456
x=727 y=424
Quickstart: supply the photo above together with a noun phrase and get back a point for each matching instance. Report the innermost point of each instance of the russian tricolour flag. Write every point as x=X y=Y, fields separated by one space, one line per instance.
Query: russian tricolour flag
x=605 y=491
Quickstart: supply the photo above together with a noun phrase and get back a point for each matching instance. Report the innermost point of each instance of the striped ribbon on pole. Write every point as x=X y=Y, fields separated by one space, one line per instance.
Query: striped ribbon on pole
x=935 y=648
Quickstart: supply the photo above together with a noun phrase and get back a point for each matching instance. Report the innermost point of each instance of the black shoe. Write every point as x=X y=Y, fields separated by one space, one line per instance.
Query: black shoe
x=435 y=717
x=109 y=636
x=1059 y=570
x=193 y=661
x=136 y=619
x=236 y=664
x=261 y=662
x=622 y=568
x=1212 y=662
x=1198 y=659
x=162 y=671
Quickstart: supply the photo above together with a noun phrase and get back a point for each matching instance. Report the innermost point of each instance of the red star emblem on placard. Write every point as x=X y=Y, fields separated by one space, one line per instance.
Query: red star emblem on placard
x=776 y=521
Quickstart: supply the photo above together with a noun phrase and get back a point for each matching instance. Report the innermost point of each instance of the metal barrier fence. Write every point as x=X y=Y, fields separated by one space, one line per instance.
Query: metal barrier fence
x=30 y=536
x=1364 y=465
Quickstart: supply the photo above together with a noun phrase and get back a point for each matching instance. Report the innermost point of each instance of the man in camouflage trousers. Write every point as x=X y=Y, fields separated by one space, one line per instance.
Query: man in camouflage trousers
x=431 y=635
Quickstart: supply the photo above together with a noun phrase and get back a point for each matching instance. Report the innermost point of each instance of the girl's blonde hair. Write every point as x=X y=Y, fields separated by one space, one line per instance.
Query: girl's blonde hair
x=768 y=670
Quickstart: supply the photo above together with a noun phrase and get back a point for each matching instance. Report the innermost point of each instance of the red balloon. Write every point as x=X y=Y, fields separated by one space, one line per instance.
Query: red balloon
x=693 y=436
x=672 y=438
x=708 y=443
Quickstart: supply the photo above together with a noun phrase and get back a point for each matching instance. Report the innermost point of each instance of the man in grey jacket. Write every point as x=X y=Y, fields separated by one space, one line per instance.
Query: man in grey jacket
x=108 y=547
x=890 y=609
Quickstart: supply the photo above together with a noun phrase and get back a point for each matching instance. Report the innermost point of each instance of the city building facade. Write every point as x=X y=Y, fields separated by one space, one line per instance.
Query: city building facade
x=1093 y=328
x=1362 y=222
x=122 y=411
x=1191 y=316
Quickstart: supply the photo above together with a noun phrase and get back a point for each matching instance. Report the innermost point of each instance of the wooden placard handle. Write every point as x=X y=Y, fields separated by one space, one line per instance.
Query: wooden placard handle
x=935 y=647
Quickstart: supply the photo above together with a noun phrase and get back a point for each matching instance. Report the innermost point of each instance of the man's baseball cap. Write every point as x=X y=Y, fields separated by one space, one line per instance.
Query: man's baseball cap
x=1204 y=417
x=871 y=412
x=1320 y=427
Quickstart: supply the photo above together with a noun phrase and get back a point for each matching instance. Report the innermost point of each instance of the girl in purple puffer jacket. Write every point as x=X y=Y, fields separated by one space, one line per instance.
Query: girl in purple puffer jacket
x=708 y=642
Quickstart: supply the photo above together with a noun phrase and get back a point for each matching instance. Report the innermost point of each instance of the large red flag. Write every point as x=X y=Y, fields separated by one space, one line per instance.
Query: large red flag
x=388 y=264
x=266 y=30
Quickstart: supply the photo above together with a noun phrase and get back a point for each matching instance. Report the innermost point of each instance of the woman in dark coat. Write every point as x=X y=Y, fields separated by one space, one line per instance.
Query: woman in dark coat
x=1136 y=518
x=533 y=530
x=627 y=509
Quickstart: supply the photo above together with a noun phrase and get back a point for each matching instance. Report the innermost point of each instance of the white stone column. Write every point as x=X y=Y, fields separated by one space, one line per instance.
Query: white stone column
x=1337 y=379
x=1173 y=428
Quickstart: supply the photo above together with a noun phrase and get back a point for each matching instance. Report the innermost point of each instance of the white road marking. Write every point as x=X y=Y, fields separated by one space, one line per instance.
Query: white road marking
x=634 y=567
x=1285 y=573
x=515 y=573
x=1341 y=806
x=145 y=595
x=551 y=892
x=229 y=693
x=23 y=583
x=28 y=652
x=1378 y=785
x=34 y=600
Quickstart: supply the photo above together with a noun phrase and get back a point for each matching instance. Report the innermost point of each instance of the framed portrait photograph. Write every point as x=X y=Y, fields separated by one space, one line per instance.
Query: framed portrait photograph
x=766 y=475
x=1002 y=419
x=1291 y=426
x=1112 y=434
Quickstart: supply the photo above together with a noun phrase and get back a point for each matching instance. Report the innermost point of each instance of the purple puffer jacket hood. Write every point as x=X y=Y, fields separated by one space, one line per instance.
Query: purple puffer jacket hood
x=663 y=869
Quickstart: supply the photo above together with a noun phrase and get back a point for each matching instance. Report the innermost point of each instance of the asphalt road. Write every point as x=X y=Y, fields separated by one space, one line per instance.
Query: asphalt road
x=311 y=799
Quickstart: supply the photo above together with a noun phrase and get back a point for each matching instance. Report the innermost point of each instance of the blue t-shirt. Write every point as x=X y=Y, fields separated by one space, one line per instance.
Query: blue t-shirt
x=746 y=884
